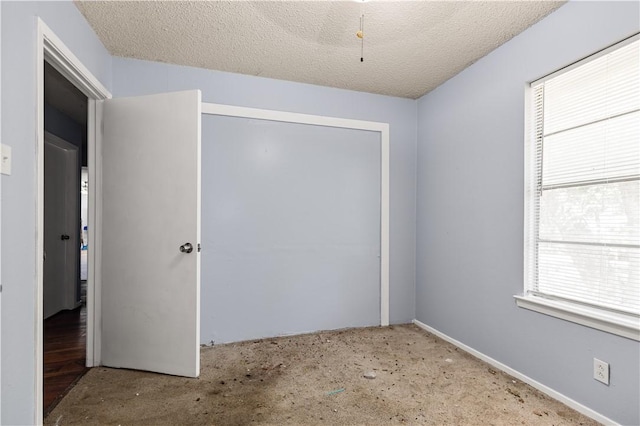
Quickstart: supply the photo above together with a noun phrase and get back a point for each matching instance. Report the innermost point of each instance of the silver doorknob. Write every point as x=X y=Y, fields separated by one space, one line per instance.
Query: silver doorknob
x=186 y=248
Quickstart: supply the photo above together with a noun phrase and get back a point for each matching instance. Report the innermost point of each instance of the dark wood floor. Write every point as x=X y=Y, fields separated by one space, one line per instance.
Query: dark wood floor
x=65 y=339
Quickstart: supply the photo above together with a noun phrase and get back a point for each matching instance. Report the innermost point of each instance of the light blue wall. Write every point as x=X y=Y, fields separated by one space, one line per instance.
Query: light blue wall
x=19 y=190
x=470 y=214
x=469 y=198
x=290 y=230
x=134 y=77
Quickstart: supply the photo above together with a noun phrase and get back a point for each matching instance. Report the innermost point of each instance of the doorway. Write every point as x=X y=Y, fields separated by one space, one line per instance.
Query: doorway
x=155 y=122
x=64 y=289
x=51 y=51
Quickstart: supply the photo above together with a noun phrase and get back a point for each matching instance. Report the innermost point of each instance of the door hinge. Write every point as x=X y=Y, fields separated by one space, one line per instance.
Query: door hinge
x=198 y=247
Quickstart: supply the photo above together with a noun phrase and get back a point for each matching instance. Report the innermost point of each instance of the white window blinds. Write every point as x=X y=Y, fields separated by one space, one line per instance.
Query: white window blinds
x=583 y=218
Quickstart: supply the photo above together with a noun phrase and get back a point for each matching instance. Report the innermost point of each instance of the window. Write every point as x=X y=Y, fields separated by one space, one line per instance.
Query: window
x=582 y=206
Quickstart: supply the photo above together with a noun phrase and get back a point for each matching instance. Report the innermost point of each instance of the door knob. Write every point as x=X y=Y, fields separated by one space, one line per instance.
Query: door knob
x=64 y=237
x=186 y=248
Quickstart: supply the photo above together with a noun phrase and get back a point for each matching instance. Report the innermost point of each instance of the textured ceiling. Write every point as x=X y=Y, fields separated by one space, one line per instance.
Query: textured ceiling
x=410 y=47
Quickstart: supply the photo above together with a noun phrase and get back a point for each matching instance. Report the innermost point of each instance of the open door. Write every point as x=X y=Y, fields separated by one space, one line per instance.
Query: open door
x=151 y=233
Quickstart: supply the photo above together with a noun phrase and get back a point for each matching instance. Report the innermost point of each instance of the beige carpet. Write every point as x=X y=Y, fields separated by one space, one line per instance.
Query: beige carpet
x=318 y=379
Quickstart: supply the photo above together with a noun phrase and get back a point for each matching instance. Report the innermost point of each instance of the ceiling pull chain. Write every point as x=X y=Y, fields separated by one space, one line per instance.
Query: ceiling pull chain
x=360 y=35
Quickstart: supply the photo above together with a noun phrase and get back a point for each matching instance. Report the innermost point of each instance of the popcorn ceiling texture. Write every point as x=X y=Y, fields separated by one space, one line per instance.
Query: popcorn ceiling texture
x=410 y=47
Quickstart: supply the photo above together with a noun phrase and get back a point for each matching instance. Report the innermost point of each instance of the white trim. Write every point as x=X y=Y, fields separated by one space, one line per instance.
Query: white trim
x=522 y=377
x=50 y=48
x=92 y=253
x=384 y=226
x=529 y=225
x=39 y=356
x=318 y=120
x=621 y=325
x=0 y=220
x=95 y=235
x=291 y=117
x=66 y=63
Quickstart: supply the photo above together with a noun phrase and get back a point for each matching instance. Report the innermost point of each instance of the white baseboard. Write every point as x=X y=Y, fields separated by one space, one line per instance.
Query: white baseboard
x=526 y=379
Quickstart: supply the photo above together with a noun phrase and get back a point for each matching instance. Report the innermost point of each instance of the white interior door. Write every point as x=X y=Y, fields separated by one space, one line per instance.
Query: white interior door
x=61 y=225
x=151 y=233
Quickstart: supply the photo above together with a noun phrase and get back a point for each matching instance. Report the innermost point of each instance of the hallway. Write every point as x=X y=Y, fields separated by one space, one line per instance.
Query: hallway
x=65 y=336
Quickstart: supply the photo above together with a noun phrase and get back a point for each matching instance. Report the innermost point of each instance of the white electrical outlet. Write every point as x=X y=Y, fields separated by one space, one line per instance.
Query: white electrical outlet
x=601 y=371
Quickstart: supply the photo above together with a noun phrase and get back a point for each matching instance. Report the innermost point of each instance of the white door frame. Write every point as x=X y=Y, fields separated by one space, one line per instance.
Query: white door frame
x=0 y=220
x=318 y=120
x=50 y=48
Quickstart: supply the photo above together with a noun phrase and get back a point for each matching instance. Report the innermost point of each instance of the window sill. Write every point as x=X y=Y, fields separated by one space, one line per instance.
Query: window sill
x=618 y=324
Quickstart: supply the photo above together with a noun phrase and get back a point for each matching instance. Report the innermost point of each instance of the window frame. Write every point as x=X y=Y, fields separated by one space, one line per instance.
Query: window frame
x=612 y=322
